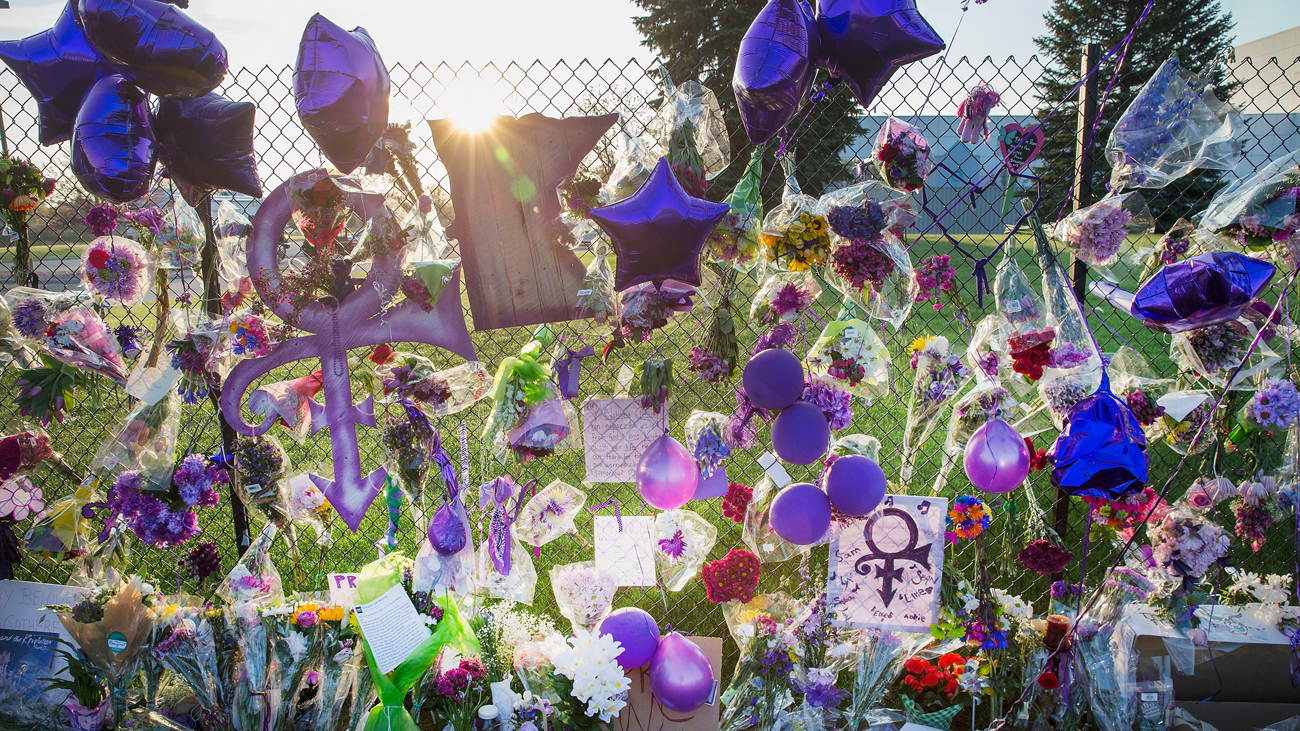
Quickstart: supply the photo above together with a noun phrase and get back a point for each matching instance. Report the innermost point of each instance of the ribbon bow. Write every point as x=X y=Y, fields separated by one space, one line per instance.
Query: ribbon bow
x=497 y=495
x=568 y=370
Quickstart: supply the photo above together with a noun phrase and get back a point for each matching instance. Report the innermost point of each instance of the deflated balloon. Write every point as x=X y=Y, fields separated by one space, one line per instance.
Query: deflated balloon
x=114 y=151
x=1102 y=452
x=155 y=46
x=207 y=144
x=777 y=62
x=865 y=41
x=1194 y=293
x=340 y=87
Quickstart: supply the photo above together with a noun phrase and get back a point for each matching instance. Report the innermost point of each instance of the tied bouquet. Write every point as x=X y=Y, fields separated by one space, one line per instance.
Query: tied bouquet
x=1097 y=233
x=902 y=155
x=584 y=593
x=850 y=355
x=116 y=269
x=578 y=680
x=760 y=692
x=940 y=375
x=1274 y=407
x=684 y=540
x=319 y=210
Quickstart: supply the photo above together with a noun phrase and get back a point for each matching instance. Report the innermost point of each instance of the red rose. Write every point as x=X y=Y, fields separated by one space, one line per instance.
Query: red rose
x=1048 y=680
x=382 y=354
x=98 y=258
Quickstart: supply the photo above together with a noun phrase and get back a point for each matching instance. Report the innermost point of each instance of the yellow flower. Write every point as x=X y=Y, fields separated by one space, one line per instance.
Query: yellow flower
x=919 y=344
x=333 y=614
x=818 y=225
x=805 y=217
x=795 y=230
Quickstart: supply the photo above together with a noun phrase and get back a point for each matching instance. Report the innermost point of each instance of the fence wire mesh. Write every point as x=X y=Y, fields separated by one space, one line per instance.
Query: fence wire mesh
x=58 y=234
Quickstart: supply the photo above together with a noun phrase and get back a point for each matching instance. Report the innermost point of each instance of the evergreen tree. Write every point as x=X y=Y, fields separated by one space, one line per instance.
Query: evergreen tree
x=699 y=39
x=1198 y=31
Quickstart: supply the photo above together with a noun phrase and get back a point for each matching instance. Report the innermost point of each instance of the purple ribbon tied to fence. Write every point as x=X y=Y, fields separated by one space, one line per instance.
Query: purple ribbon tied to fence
x=357 y=320
x=497 y=495
x=568 y=370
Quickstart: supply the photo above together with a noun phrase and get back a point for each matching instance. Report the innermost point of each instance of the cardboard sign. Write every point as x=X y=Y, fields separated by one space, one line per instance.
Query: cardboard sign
x=343 y=590
x=889 y=564
x=644 y=713
x=616 y=431
x=28 y=632
x=628 y=554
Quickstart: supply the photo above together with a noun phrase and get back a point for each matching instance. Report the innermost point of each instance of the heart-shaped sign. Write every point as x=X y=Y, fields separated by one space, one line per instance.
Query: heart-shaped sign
x=1015 y=156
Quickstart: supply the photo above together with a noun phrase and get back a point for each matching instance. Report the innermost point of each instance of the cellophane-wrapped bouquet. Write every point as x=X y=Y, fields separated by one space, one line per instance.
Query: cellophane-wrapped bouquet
x=902 y=155
x=1262 y=212
x=1098 y=234
x=849 y=355
x=683 y=541
x=759 y=692
x=584 y=593
x=796 y=236
x=578 y=678
x=940 y=375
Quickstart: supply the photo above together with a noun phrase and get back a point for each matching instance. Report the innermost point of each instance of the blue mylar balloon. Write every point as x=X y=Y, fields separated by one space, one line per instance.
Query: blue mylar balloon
x=207 y=144
x=155 y=46
x=58 y=67
x=340 y=86
x=1196 y=292
x=1102 y=452
x=114 y=151
x=777 y=62
x=865 y=41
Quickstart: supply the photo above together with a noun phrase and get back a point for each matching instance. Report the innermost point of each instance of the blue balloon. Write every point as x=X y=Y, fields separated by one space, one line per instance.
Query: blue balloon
x=114 y=151
x=1196 y=292
x=340 y=87
x=207 y=144
x=777 y=63
x=58 y=67
x=865 y=41
x=1102 y=452
x=155 y=46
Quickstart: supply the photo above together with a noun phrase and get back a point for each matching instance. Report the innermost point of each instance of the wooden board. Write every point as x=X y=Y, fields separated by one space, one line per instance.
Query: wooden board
x=503 y=183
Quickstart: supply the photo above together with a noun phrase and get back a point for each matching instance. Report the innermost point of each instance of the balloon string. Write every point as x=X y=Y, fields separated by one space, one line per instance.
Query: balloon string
x=943 y=61
x=785 y=138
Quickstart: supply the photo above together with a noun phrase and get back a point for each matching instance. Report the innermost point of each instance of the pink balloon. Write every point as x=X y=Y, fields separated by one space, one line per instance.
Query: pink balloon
x=667 y=475
x=636 y=631
x=801 y=514
x=997 y=458
x=680 y=674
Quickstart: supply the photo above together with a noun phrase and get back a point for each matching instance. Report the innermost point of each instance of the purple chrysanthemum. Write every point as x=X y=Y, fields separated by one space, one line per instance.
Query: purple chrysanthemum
x=29 y=318
x=673 y=547
x=102 y=220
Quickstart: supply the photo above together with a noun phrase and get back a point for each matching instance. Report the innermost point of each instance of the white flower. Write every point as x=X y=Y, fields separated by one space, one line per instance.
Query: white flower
x=842 y=650
x=1276 y=592
x=1014 y=607
x=343 y=655
x=296 y=643
x=1244 y=582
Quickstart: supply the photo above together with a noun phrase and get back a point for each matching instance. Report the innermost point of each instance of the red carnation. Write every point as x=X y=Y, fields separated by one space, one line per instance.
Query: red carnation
x=382 y=354
x=733 y=578
x=1038 y=459
x=98 y=258
x=1048 y=680
x=736 y=503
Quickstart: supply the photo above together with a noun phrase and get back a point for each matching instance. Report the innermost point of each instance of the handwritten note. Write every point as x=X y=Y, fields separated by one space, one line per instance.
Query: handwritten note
x=889 y=565
x=616 y=432
x=628 y=554
x=391 y=627
x=343 y=590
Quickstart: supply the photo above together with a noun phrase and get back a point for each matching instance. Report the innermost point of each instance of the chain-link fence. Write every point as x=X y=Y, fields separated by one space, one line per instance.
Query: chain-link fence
x=925 y=92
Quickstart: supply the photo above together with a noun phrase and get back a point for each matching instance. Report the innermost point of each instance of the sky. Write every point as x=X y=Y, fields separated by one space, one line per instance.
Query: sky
x=266 y=32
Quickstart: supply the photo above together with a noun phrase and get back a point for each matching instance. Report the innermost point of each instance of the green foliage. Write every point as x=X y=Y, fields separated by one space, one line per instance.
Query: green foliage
x=84 y=681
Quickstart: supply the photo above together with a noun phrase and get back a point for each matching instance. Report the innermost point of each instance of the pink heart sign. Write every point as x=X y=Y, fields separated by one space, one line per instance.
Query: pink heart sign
x=1017 y=158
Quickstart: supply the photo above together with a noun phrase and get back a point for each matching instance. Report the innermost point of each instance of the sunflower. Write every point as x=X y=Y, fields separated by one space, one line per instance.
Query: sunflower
x=818 y=225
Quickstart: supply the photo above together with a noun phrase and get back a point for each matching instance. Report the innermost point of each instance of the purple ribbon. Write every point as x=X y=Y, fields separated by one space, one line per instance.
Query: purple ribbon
x=617 y=515
x=497 y=493
x=568 y=370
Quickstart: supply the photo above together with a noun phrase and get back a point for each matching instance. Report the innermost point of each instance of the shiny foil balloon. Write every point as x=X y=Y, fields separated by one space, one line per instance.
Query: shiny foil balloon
x=776 y=65
x=114 y=152
x=997 y=458
x=659 y=231
x=1102 y=452
x=155 y=46
x=680 y=674
x=865 y=41
x=667 y=474
x=340 y=86
x=207 y=144
x=1198 y=291
x=58 y=67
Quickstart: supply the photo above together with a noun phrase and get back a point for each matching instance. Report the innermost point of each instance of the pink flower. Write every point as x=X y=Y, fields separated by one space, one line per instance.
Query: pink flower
x=306 y=618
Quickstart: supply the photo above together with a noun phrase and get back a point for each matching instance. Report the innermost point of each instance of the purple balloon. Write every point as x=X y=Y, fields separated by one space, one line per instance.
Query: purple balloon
x=449 y=529
x=340 y=87
x=155 y=46
x=114 y=152
x=207 y=144
x=997 y=458
x=636 y=631
x=1202 y=290
x=865 y=41
x=680 y=674
x=773 y=378
x=58 y=67
x=801 y=514
x=659 y=231
x=667 y=474
x=855 y=484
x=800 y=434
x=777 y=63
x=1102 y=452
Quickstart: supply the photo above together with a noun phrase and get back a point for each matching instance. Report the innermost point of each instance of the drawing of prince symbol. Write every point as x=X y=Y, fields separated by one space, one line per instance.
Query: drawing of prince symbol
x=889 y=565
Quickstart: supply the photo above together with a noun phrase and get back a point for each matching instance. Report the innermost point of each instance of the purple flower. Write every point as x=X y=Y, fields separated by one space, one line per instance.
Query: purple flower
x=148 y=218
x=102 y=220
x=195 y=480
x=709 y=365
x=203 y=561
x=1276 y=404
x=674 y=546
x=791 y=299
x=835 y=404
x=857 y=222
x=29 y=318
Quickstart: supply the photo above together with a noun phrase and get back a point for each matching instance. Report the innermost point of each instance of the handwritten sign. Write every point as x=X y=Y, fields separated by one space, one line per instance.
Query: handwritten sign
x=889 y=564
x=22 y=613
x=616 y=432
x=343 y=590
x=627 y=554
x=1017 y=156
x=645 y=713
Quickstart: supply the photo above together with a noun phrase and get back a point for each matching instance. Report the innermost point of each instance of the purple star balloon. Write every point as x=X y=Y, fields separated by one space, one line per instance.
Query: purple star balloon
x=155 y=46
x=1193 y=293
x=1102 y=452
x=777 y=63
x=114 y=151
x=207 y=144
x=340 y=86
x=659 y=231
x=58 y=67
x=865 y=41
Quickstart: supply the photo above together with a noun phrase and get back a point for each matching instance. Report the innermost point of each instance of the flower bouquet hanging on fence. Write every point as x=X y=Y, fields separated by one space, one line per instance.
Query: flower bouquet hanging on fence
x=849 y=355
x=1098 y=234
x=940 y=375
x=1262 y=212
x=796 y=237
x=683 y=541
x=902 y=155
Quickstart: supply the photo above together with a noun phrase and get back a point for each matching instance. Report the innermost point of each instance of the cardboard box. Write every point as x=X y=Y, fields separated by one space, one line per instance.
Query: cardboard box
x=645 y=713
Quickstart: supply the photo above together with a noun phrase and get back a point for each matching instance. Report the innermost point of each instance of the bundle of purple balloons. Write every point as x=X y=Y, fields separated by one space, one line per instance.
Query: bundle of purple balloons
x=681 y=676
x=861 y=42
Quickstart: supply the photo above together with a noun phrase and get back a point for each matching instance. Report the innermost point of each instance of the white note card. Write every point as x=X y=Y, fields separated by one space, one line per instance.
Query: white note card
x=628 y=555
x=392 y=627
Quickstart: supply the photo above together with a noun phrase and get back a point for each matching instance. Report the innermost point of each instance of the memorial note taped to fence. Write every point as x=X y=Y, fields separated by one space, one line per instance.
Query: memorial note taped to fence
x=616 y=431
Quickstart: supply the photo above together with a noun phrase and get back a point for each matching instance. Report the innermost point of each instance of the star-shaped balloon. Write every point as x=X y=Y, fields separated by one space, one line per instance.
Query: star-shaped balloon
x=58 y=67
x=777 y=62
x=865 y=41
x=114 y=151
x=155 y=46
x=340 y=87
x=1202 y=290
x=207 y=144
x=1102 y=452
x=659 y=231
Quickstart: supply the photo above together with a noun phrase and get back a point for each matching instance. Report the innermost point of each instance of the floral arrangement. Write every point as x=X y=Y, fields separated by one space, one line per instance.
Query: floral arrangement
x=934 y=682
x=202 y=562
x=644 y=309
x=709 y=449
x=1254 y=510
x=581 y=673
x=1275 y=406
x=1144 y=406
x=192 y=356
x=248 y=335
x=651 y=383
x=1097 y=232
x=684 y=541
x=801 y=243
x=1218 y=348
x=736 y=502
x=759 y=692
x=1123 y=515
x=415 y=379
x=733 y=239
x=23 y=452
x=968 y=517
x=708 y=365
x=584 y=593
x=1030 y=352
x=22 y=186
x=862 y=262
x=902 y=156
x=156 y=522
x=520 y=382
x=117 y=269
x=850 y=355
x=935 y=276
x=456 y=694
x=1044 y=557
x=260 y=465
x=837 y=405
x=1184 y=544
x=319 y=210
x=1062 y=394
x=939 y=377
x=733 y=578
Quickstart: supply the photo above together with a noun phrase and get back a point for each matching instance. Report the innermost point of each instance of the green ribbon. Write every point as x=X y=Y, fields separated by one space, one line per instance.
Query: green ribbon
x=940 y=719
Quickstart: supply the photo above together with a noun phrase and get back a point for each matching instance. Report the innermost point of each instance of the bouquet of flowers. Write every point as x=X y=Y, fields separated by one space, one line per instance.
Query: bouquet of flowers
x=880 y=658
x=1185 y=544
x=186 y=643
x=936 y=277
x=597 y=293
x=62 y=530
x=22 y=188
x=835 y=405
x=260 y=468
x=1097 y=234
x=145 y=441
x=785 y=296
x=690 y=126
x=1275 y=406
x=521 y=382
x=703 y=431
x=644 y=309
x=795 y=236
x=902 y=155
x=1061 y=390
x=684 y=540
x=940 y=375
x=408 y=441
x=1255 y=507
x=1261 y=212
x=584 y=592
x=1122 y=516
x=319 y=210
x=116 y=269
x=437 y=392
x=760 y=688
x=634 y=160
x=549 y=514
x=177 y=238
x=580 y=677
x=248 y=335
x=166 y=519
x=850 y=355
x=735 y=241
x=457 y=694
x=71 y=333
x=545 y=431
x=933 y=684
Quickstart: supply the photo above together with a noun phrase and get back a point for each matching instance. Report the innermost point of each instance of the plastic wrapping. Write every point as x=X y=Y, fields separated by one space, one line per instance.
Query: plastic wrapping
x=784 y=296
x=179 y=240
x=320 y=210
x=438 y=574
x=902 y=155
x=437 y=392
x=597 y=294
x=1184 y=413
x=1098 y=235
x=254 y=579
x=1061 y=390
x=116 y=269
x=974 y=409
x=550 y=427
x=308 y=506
x=850 y=356
x=13 y=348
x=68 y=330
x=61 y=531
x=684 y=540
x=1262 y=212
x=691 y=110
x=940 y=376
x=519 y=585
x=231 y=232
x=584 y=593
x=736 y=239
x=796 y=236
x=634 y=160
x=144 y=441
x=261 y=466
x=1174 y=125
x=757 y=532
x=1215 y=351
x=703 y=431
x=1016 y=299
x=549 y=514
